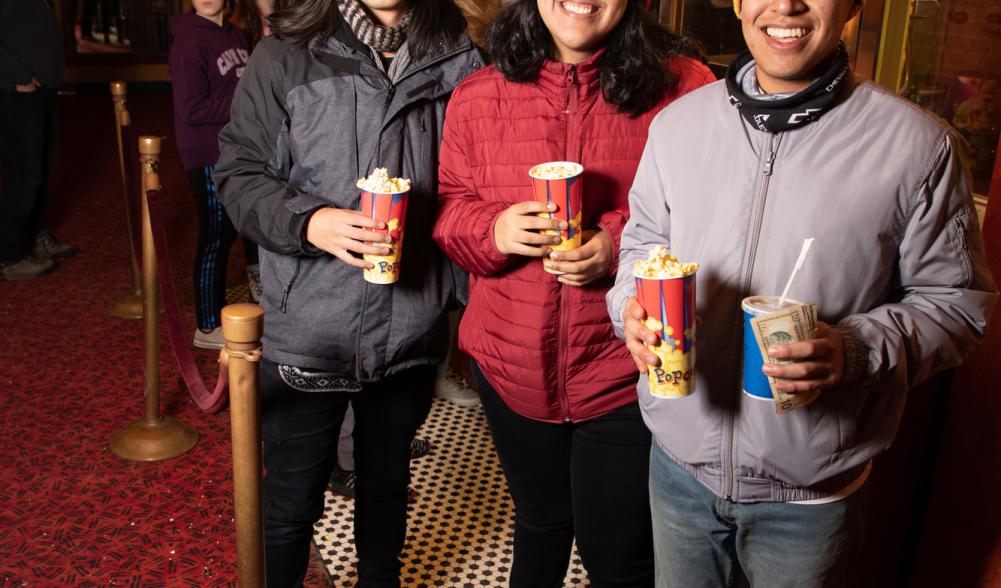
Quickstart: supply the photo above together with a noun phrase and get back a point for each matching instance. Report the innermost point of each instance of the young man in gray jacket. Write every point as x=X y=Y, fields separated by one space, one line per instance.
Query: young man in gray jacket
x=735 y=176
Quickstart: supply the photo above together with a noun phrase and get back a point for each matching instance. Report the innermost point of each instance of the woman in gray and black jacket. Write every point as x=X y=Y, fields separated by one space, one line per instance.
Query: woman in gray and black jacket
x=341 y=88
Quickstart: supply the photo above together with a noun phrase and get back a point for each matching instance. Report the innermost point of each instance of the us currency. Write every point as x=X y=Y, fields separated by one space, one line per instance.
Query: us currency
x=789 y=325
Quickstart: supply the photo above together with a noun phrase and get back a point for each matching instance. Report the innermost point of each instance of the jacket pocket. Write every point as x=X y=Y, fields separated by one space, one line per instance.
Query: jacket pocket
x=279 y=274
x=287 y=290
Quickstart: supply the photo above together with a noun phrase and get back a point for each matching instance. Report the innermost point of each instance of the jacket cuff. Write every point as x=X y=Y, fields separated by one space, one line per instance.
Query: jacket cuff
x=299 y=223
x=612 y=224
x=856 y=354
x=489 y=244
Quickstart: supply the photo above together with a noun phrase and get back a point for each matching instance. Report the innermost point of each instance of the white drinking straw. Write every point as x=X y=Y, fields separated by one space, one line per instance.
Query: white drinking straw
x=799 y=263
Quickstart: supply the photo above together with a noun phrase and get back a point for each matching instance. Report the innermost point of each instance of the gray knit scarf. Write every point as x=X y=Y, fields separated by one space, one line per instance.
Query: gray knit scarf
x=376 y=36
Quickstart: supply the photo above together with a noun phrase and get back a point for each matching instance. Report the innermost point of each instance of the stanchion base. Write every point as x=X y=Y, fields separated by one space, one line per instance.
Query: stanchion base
x=156 y=441
x=129 y=306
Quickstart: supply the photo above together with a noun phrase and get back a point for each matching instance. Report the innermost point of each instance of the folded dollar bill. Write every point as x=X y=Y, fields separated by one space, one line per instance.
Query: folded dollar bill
x=788 y=325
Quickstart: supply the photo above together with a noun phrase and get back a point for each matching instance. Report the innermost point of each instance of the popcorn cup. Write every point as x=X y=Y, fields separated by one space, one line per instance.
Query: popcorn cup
x=670 y=308
x=390 y=208
x=559 y=182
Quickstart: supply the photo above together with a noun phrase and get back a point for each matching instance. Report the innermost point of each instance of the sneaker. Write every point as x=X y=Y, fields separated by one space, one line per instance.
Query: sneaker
x=212 y=339
x=419 y=447
x=26 y=269
x=254 y=283
x=46 y=246
x=455 y=390
x=342 y=482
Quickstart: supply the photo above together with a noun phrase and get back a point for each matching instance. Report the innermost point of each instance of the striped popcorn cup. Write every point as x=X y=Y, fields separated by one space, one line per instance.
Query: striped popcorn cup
x=391 y=209
x=670 y=309
x=560 y=182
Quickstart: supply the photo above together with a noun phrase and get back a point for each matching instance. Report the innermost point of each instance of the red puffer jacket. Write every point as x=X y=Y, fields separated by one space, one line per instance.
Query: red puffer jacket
x=548 y=349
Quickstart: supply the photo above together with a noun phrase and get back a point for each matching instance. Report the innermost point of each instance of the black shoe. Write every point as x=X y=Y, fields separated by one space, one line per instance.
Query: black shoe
x=342 y=482
x=45 y=246
x=419 y=447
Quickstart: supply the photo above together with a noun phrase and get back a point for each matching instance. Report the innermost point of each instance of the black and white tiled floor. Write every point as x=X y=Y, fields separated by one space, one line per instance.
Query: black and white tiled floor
x=460 y=528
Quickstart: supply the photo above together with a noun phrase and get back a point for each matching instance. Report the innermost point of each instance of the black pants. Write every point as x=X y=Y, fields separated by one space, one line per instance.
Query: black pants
x=300 y=431
x=587 y=479
x=28 y=138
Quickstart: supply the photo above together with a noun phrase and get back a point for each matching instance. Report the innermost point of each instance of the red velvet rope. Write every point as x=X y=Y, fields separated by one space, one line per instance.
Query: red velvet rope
x=210 y=402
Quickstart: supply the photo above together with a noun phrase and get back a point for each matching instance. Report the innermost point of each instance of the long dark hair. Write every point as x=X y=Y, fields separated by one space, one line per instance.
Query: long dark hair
x=632 y=72
x=248 y=17
x=435 y=22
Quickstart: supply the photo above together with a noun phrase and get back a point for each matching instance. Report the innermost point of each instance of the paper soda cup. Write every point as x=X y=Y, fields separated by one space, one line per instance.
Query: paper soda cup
x=670 y=305
x=755 y=382
x=390 y=208
x=560 y=182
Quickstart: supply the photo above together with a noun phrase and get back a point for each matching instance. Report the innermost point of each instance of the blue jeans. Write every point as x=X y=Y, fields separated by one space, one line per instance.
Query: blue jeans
x=701 y=539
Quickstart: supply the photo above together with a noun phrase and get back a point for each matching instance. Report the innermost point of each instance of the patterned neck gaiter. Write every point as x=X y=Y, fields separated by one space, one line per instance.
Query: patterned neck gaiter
x=776 y=115
x=376 y=36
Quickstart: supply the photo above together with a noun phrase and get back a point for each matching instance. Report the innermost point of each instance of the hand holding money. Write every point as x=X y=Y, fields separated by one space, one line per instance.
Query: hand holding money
x=818 y=362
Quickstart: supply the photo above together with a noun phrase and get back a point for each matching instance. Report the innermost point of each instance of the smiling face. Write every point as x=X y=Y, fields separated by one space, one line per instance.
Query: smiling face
x=792 y=39
x=579 y=28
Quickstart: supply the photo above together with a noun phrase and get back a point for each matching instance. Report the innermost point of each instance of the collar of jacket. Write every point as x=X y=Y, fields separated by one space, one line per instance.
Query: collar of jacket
x=554 y=76
x=344 y=52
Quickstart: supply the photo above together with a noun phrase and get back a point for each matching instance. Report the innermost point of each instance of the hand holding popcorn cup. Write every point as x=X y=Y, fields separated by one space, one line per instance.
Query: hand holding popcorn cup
x=559 y=182
x=385 y=199
x=665 y=288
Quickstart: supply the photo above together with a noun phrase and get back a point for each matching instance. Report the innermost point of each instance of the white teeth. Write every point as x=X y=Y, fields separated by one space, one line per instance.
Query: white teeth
x=785 y=33
x=582 y=9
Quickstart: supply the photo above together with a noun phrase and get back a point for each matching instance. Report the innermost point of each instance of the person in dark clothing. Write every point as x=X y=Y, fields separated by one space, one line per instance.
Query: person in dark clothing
x=342 y=87
x=30 y=72
x=207 y=57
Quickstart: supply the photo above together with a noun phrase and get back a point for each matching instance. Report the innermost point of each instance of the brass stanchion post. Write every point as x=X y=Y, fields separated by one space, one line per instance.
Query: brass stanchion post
x=154 y=437
x=128 y=305
x=242 y=325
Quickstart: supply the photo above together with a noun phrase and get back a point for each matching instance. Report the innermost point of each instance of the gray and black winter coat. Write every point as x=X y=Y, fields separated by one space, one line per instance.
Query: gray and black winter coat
x=307 y=121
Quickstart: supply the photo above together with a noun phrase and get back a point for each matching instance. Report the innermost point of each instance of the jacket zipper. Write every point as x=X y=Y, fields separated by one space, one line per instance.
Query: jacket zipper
x=390 y=92
x=766 y=167
x=415 y=70
x=288 y=287
x=569 y=150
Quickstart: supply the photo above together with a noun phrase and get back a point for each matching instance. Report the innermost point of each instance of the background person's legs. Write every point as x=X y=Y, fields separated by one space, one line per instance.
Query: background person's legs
x=215 y=236
x=26 y=147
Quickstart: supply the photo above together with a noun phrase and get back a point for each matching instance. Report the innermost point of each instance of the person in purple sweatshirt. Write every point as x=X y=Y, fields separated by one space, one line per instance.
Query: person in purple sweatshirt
x=206 y=59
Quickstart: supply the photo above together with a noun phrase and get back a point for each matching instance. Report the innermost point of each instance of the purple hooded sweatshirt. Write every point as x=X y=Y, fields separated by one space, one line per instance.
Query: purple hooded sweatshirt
x=206 y=61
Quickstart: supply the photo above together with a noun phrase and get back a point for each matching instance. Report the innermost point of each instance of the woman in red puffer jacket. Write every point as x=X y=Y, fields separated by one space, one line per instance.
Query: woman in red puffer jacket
x=571 y=81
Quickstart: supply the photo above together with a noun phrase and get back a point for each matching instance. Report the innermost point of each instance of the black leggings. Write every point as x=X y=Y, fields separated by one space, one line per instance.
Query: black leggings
x=586 y=479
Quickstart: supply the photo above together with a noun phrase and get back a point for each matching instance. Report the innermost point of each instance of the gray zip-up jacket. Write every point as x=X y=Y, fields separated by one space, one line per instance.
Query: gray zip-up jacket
x=898 y=266
x=306 y=123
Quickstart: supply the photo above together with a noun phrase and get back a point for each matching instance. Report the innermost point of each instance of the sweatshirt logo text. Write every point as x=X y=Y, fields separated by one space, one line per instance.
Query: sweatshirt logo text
x=231 y=58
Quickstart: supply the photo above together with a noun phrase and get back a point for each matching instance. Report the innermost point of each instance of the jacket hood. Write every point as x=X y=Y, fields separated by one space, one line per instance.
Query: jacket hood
x=192 y=20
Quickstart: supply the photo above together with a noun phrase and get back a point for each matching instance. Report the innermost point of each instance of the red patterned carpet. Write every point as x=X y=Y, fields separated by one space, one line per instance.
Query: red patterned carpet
x=71 y=512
